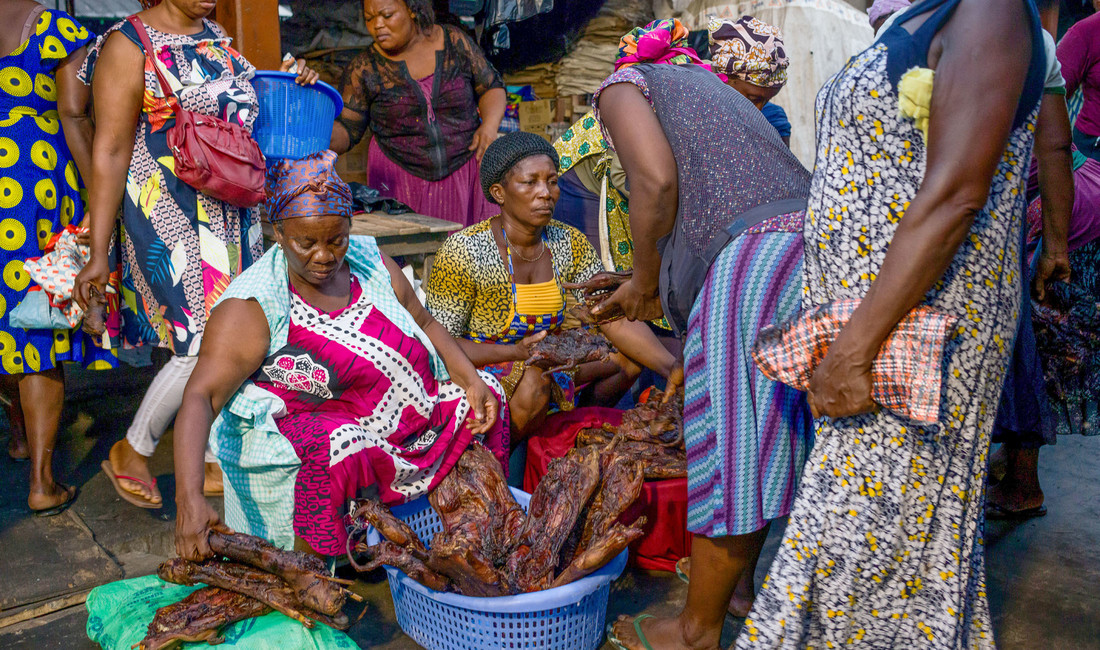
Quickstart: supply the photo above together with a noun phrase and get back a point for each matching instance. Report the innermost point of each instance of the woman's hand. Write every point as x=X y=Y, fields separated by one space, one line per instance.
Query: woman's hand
x=483 y=407
x=674 y=383
x=1053 y=266
x=483 y=137
x=527 y=344
x=94 y=272
x=84 y=236
x=195 y=518
x=841 y=385
x=306 y=76
x=636 y=303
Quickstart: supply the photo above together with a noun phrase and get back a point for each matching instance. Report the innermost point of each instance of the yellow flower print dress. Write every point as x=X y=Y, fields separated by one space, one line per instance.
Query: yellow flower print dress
x=883 y=548
x=39 y=190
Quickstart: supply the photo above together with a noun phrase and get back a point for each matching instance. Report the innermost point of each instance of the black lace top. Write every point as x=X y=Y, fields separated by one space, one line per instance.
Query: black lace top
x=428 y=140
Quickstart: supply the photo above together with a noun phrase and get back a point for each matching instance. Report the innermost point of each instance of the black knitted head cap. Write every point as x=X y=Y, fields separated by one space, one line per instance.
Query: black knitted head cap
x=506 y=152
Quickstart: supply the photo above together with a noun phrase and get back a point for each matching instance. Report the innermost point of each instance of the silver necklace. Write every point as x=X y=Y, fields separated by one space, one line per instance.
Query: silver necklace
x=512 y=246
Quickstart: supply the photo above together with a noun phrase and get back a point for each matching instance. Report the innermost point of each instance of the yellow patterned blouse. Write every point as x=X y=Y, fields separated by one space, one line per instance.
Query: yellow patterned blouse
x=580 y=142
x=470 y=291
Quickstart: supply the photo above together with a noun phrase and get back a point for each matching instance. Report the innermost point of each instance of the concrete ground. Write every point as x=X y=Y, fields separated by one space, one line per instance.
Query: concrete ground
x=1042 y=574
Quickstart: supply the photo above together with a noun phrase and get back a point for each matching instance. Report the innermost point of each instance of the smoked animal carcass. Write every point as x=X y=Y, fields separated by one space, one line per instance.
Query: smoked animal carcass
x=257 y=579
x=566 y=349
x=199 y=617
x=490 y=547
x=651 y=433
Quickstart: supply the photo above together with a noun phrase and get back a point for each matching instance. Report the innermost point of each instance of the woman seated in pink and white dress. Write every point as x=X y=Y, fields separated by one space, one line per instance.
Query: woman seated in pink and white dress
x=332 y=382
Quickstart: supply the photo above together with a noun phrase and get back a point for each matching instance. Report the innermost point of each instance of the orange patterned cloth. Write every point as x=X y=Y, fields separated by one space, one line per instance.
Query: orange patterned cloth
x=905 y=376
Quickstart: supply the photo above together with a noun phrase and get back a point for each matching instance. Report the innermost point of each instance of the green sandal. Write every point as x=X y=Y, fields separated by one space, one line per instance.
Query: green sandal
x=613 y=640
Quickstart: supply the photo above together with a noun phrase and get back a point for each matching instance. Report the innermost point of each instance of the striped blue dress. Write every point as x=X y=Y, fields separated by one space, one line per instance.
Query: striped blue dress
x=747 y=436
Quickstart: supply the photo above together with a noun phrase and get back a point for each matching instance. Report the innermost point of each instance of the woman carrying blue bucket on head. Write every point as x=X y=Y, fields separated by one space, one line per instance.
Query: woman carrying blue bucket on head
x=181 y=248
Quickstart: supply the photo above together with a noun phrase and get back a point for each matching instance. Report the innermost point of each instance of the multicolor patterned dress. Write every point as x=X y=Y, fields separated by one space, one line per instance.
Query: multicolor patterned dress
x=181 y=248
x=364 y=413
x=39 y=190
x=883 y=548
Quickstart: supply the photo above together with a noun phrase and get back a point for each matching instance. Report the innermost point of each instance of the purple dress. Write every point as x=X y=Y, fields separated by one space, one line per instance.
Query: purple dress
x=421 y=130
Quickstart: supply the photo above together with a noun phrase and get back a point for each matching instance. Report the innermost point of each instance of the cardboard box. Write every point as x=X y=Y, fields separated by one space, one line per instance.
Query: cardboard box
x=536 y=116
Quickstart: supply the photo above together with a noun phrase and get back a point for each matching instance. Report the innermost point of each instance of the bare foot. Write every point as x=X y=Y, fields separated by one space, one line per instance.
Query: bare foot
x=127 y=462
x=743 y=597
x=51 y=497
x=212 y=485
x=1013 y=497
x=663 y=633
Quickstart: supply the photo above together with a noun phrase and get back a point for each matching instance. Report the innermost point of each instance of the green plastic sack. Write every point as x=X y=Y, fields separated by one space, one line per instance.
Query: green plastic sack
x=119 y=614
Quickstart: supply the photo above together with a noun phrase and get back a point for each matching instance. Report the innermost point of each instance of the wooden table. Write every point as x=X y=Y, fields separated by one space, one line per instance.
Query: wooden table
x=416 y=237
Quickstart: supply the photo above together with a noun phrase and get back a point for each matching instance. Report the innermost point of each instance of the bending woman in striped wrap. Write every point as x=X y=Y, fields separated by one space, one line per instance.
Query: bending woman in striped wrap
x=710 y=175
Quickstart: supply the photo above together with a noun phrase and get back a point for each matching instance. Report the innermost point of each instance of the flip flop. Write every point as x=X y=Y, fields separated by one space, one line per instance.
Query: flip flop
x=130 y=497
x=680 y=573
x=1000 y=513
x=61 y=507
x=614 y=640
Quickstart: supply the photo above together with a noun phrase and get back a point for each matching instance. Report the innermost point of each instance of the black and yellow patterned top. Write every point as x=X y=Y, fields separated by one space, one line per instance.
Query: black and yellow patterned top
x=470 y=290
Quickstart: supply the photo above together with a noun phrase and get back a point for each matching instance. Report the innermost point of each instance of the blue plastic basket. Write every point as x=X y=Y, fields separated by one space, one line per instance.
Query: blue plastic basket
x=570 y=617
x=294 y=121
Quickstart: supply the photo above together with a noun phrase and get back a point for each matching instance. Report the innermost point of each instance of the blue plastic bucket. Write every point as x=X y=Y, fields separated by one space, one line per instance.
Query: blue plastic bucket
x=570 y=617
x=294 y=121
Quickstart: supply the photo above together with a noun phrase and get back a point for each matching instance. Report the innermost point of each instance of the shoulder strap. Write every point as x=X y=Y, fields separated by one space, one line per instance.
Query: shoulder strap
x=31 y=20
x=139 y=27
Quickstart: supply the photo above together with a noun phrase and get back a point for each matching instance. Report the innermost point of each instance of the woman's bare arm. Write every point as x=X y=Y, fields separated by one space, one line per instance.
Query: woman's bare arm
x=118 y=87
x=1054 y=151
x=637 y=341
x=979 y=80
x=234 y=344
x=73 y=104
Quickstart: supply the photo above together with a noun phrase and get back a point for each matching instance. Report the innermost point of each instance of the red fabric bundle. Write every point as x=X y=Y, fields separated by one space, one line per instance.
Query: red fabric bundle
x=664 y=503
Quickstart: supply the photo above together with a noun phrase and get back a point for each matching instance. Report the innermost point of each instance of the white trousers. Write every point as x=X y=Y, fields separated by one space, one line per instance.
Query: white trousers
x=159 y=406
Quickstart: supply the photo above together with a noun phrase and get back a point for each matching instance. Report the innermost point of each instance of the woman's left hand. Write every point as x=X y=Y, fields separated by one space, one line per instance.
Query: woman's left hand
x=483 y=137
x=841 y=386
x=306 y=76
x=483 y=407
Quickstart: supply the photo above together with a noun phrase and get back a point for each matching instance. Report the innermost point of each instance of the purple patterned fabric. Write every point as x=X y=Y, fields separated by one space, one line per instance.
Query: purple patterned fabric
x=704 y=120
x=306 y=188
x=747 y=437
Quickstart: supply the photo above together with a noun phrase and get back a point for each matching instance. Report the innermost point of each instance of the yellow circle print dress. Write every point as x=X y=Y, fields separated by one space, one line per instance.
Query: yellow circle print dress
x=39 y=190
